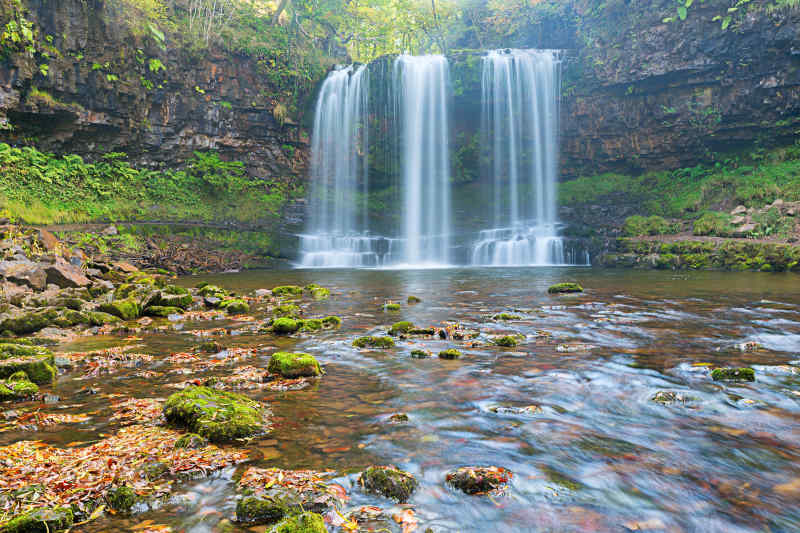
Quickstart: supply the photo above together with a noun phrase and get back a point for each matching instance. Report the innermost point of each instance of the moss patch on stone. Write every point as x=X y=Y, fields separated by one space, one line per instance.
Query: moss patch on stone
x=17 y=387
x=302 y=523
x=420 y=354
x=29 y=322
x=733 y=374
x=287 y=290
x=450 y=353
x=294 y=365
x=389 y=482
x=171 y=296
x=413 y=300
x=35 y=361
x=317 y=292
x=191 y=441
x=127 y=309
x=286 y=311
x=562 y=288
x=254 y=511
x=398 y=328
x=161 y=311
x=216 y=415
x=374 y=342
x=285 y=326
x=99 y=318
x=332 y=322
x=507 y=341
x=121 y=499
x=391 y=307
x=44 y=520
x=235 y=306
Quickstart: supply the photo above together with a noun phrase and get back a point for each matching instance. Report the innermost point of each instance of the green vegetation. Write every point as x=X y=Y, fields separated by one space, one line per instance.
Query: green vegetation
x=713 y=223
x=637 y=226
x=294 y=365
x=374 y=342
x=562 y=288
x=215 y=415
x=450 y=353
x=389 y=482
x=733 y=374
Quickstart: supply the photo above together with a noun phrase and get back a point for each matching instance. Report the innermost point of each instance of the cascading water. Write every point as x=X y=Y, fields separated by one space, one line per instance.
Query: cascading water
x=520 y=99
x=337 y=214
x=421 y=85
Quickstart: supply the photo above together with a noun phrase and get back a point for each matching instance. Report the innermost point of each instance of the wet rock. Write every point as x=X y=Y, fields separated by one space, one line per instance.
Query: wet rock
x=171 y=296
x=420 y=354
x=399 y=328
x=562 y=288
x=506 y=316
x=162 y=311
x=66 y=275
x=191 y=441
x=374 y=342
x=286 y=311
x=31 y=322
x=750 y=346
x=430 y=332
x=450 y=353
x=514 y=410
x=24 y=273
x=398 y=418
x=100 y=287
x=287 y=291
x=121 y=499
x=507 y=341
x=389 y=482
x=479 y=480
x=733 y=374
x=391 y=306
x=285 y=326
x=235 y=306
x=43 y=520
x=311 y=324
x=294 y=365
x=212 y=301
x=35 y=361
x=127 y=309
x=302 y=523
x=212 y=291
x=99 y=318
x=570 y=348
x=331 y=322
x=669 y=397
x=412 y=300
x=317 y=292
x=216 y=415
x=17 y=387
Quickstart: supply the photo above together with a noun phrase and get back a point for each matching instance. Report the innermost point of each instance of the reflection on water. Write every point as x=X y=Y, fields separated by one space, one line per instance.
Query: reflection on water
x=597 y=454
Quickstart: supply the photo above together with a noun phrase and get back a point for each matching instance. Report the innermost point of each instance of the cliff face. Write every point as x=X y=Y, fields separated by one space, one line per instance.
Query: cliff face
x=109 y=89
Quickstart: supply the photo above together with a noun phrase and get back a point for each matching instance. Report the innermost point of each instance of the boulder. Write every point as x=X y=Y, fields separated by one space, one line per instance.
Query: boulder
x=287 y=291
x=733 y=374
x=294 y=365
x=389 y=482
x=35 y=361
x=66 y=275
x=563 y=288
x=31 y=322
x=48 y=240
x=24 y=273
x=285 y=326
x=124 y=266
x=479 y=480
x=450 y=353
x=374 y=342
x=17 y=387
x=399 y=328
x=41 y=520
x=127 y=309
x=302 y=523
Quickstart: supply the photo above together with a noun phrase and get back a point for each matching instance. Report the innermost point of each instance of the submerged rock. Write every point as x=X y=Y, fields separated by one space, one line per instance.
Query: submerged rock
x=420 y=354
x=561 y=288
x=332 y=322
x=475 y=480
x=317 y=292
x=286 y=326
x=398 y=418
x=414 y=300
x=294 y=365
x=389 y=482
x=450 y=353
x=506 y=316
x=216 y=415
x=513 y=410
x=286 y=311
x=121 y=499
x=302 y=523
x=44 y=520
x=733 y=374
x=374 y=342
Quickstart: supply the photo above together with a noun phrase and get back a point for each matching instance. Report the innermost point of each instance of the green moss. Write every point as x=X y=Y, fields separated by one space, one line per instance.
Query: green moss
x=560 y=288
x=422 y=331
x=45 y=520
x=302 y=523
x=317 y=292
x=216 y=415
x=399 y=328
x=212 y=291
x=191 y=441
x=332 y=322
x=162 y=311
x=285 y=326
x=69 y=318
x=506 y=316
x=507 y=341
x=391 y=307
x=127 y=309
x=294 y=365
x=420 y=354
x=733 y=374
x=374 y=342
x=286 y=311
x=235 y=307
x=18 y=386
x=35 y=361
x=121 y=499
x=287 y=290
x=311 y=324
x=29 y=322
x=171 y=296
x=388 y=482
x=255 y=511
x=637 y=226
x=98 y=318
x=412 y=300
x=450 y=353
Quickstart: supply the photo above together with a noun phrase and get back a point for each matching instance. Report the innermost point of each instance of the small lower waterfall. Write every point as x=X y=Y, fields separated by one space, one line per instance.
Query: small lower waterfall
x=421 y=85
x=520 y=92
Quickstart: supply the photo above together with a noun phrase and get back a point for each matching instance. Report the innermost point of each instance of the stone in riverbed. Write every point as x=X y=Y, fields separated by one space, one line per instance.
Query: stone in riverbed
x=420 y=354
x=43 y=520
x=286 y=311
x=31 y=322
x=121 y=499
x=294 y=365
x=235 y=306
x=287 y=291
x=479 y=480
x=127 y=309
x=162 y=311
x=216 y=415
x=21 y=273
x=389 y=482
x=412 y=300
x=66 y=275
x=507 y=341
x=450 y=353
x=398 y=328
x=733 y=374
x=99 y=318
x=391 y=306
x=285 y=326
x=669 y=397
x=373 y=342
x=562 y=288
x=302 y=523
x=17 y=387
x=36 y=362
x=171 y=296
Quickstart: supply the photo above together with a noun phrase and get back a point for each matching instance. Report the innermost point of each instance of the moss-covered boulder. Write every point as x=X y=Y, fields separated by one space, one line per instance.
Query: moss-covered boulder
x=374 y=342
x=191 y=441
x=171 y=296
x=391 y=306
x=44 y=520
x=27 y=323
x=450 y=353
x=235 y=306
x=36 y=362
x=506 y=316
x=286 y=311
x=562 y=288
x=160 y=311
x=99 y=318
x=420 y=354
x=507 y=341
x=389 y=482
x=287 y=290
x=311 y=324
x=294 y=365
x=479 y=480
x=400 y=328
x=127 y=309
x=413 y=300
x=121 y=499
x=285 y=326
x=252 y=510
x=216 y=415
x=17 y=387
x=733 y=374
x=331 y=322
x=317 y=292
x=302 y=523
x=212 y=291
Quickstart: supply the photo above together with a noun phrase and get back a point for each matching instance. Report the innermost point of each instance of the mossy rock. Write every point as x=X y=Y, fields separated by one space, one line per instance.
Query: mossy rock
x=17 y=387
x=317 y=292
x=76 y=304
x=286 y=311
x=161 y=311
x=391 y=307
x=127 y=309
x=29 y=322
x=302 y=523
x=450 y=353
x=294 y=365
x=70 y=318
x=507 y=341
x=216 y=415
x=311 y=324
x=191 y=441
x=399 y=328
x=420 y=354
x=389 y=482
x=44 y=520
x=422 y=331
x=562 y=288
x=211 y=347
x=235 y=307
x=285 y=326
x=478 y=480
x=287 y=290
x=412 y=300
x=506 y=316
x=171 y=296
x=99 y=318
x=212 y=291
x=374 y=342
x=35 y=361
x=733 y=374
x=331 y=322
x=255 y=511
x=121 y=499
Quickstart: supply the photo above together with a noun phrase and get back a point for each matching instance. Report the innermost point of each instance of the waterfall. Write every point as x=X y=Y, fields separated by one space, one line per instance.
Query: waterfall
x=519 y=123
x=337 y=210
x=421 y=85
